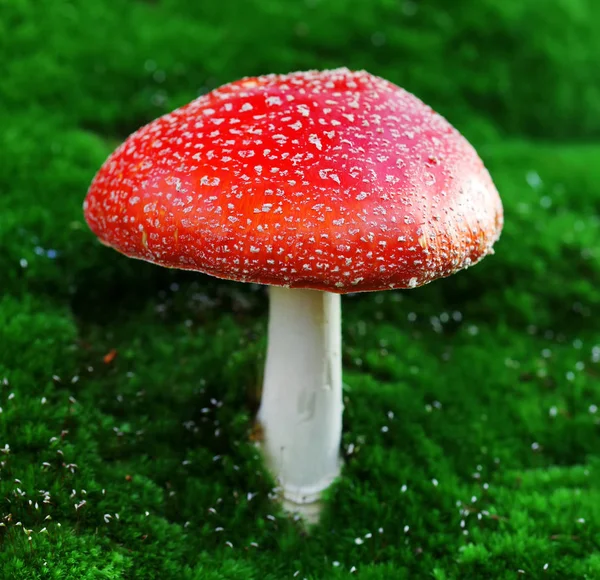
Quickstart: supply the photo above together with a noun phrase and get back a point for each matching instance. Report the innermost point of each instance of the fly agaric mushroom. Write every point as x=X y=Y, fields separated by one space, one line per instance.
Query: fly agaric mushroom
x=317 y=184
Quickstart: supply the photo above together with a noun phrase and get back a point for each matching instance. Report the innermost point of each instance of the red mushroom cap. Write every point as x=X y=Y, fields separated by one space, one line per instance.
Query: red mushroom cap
x=332 y=180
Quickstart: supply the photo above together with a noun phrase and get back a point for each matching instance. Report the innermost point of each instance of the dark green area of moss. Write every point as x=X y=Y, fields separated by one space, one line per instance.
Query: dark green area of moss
x=472 y=431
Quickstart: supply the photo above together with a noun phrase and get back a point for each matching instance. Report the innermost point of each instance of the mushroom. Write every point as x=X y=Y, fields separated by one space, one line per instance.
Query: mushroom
x=318 y=184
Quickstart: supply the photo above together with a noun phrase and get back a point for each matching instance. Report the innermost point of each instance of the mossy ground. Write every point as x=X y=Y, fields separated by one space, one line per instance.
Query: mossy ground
x=472 y=435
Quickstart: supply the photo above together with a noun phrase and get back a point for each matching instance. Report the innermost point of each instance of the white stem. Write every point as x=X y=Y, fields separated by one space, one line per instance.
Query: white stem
x=301 y=407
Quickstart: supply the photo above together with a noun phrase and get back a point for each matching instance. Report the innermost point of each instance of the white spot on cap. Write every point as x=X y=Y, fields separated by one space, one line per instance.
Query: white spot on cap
x=303 y=110
x=314 y=139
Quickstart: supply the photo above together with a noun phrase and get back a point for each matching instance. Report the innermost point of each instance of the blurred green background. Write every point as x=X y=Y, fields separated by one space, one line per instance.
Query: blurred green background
x=127 y=391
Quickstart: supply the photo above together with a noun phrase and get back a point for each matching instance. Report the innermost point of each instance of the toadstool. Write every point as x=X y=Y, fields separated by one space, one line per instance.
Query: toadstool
x=316 y=183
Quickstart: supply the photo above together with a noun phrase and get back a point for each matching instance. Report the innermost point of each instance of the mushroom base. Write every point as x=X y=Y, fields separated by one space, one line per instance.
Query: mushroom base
x=301 y=407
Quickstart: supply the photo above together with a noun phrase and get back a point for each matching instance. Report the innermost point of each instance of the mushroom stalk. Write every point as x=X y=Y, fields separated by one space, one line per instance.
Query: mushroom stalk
x=301 y=407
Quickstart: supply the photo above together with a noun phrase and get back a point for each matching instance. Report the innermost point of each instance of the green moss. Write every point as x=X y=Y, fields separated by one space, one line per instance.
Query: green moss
x=471 y=428
x=523 y=67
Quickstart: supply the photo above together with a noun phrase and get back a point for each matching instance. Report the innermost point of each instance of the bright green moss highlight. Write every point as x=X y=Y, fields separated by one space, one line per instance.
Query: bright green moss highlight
x=472 y=425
